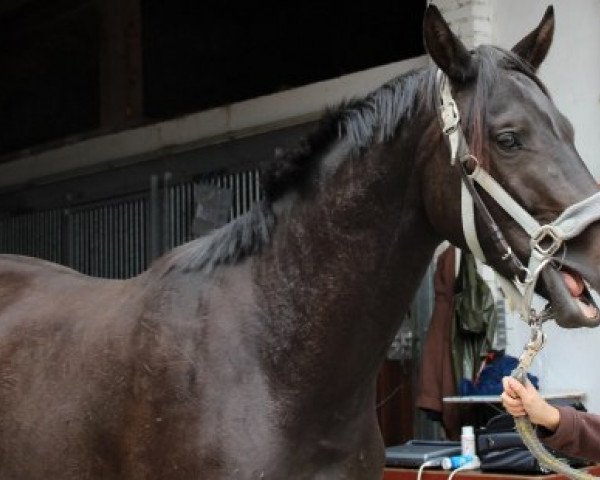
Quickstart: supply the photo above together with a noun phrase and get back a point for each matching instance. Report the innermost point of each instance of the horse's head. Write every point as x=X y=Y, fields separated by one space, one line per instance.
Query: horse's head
x=516 y=133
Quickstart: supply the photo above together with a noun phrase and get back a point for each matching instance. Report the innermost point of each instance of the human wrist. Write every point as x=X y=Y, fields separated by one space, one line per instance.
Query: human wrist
x=551 y=418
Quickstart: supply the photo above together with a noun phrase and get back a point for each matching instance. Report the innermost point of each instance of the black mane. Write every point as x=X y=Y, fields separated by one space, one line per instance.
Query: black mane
x=362 y=122
x=238 y=239
x=377 y=117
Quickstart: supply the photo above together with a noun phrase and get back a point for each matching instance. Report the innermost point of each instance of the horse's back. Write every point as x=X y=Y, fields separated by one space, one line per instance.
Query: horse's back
x=113 y=377
x=33 y=290
x=64 y=366
x=22 y=262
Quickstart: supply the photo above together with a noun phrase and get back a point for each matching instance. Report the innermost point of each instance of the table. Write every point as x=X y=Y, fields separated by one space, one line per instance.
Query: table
x=574 y=395
x=437 y=474
x=486 y=406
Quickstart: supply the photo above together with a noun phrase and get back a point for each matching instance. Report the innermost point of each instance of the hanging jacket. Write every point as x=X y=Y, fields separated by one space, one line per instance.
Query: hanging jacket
x=436 y=375
x=474 y=323
x=460 y=334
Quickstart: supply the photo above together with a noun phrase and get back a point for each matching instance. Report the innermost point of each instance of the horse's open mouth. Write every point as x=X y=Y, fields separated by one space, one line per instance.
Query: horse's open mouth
x=571 y=298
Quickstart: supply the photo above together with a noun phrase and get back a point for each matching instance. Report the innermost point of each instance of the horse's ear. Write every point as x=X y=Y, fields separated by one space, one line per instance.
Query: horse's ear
x=446 y=50
x=534 y=47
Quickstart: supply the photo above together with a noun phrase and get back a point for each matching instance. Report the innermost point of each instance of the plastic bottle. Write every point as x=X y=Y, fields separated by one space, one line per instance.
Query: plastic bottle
x=467 y=441
x=450 y=463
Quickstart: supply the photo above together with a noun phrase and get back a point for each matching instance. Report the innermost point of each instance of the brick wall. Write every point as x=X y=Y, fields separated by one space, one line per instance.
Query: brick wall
x=469 y=19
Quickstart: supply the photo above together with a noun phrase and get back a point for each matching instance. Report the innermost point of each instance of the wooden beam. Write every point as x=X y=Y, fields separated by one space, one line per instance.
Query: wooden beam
x=187 y=133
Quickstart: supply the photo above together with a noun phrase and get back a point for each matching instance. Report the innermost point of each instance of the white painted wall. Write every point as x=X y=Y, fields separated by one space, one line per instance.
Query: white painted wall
x=572 y=74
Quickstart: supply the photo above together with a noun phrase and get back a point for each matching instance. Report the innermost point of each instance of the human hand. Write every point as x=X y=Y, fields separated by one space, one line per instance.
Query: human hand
x=520 y=400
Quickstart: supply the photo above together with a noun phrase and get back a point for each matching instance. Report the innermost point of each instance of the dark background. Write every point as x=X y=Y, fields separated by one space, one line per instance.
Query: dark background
x=73 y=68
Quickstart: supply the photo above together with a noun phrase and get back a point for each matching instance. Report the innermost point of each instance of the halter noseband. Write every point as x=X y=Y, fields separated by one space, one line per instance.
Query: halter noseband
x=545 y=240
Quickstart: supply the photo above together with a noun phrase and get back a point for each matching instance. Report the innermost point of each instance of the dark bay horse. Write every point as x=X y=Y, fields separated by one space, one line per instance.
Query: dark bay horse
x=252 y=353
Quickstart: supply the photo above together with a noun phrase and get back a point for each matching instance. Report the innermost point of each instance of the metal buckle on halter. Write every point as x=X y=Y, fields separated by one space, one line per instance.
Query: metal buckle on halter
x=449 y=117
x=546 y=234
x=535 y=344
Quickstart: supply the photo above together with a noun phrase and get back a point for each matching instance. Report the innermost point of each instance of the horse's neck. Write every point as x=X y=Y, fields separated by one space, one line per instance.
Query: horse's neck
x=342 y=272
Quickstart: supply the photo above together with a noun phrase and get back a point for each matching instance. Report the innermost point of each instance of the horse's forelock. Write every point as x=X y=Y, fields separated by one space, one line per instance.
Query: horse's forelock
x=492 y=62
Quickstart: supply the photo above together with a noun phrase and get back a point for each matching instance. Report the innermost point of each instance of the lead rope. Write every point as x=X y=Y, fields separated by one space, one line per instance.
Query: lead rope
x=545 y=241
x=524 y=425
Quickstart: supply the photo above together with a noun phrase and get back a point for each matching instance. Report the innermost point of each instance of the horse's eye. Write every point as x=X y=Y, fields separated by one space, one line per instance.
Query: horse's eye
x=508 y=141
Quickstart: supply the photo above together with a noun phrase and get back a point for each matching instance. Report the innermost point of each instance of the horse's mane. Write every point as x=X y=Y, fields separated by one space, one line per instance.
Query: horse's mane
x=238 y=239
x=361 y=123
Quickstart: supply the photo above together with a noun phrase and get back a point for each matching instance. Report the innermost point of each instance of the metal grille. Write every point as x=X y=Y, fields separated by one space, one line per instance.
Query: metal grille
x=179 y=214
x=246 y=188
x=33 y=234
x=119 y=238
x=109 y=240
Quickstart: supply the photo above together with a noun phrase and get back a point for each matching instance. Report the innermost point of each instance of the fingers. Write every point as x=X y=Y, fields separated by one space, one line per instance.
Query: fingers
x=517 y=386
x=508 y=390
x=513 y=388
x=527 y=393
x=517 y=412
x=511 y=403
x=511 y=397
x=506 y=384
x=520 y=400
